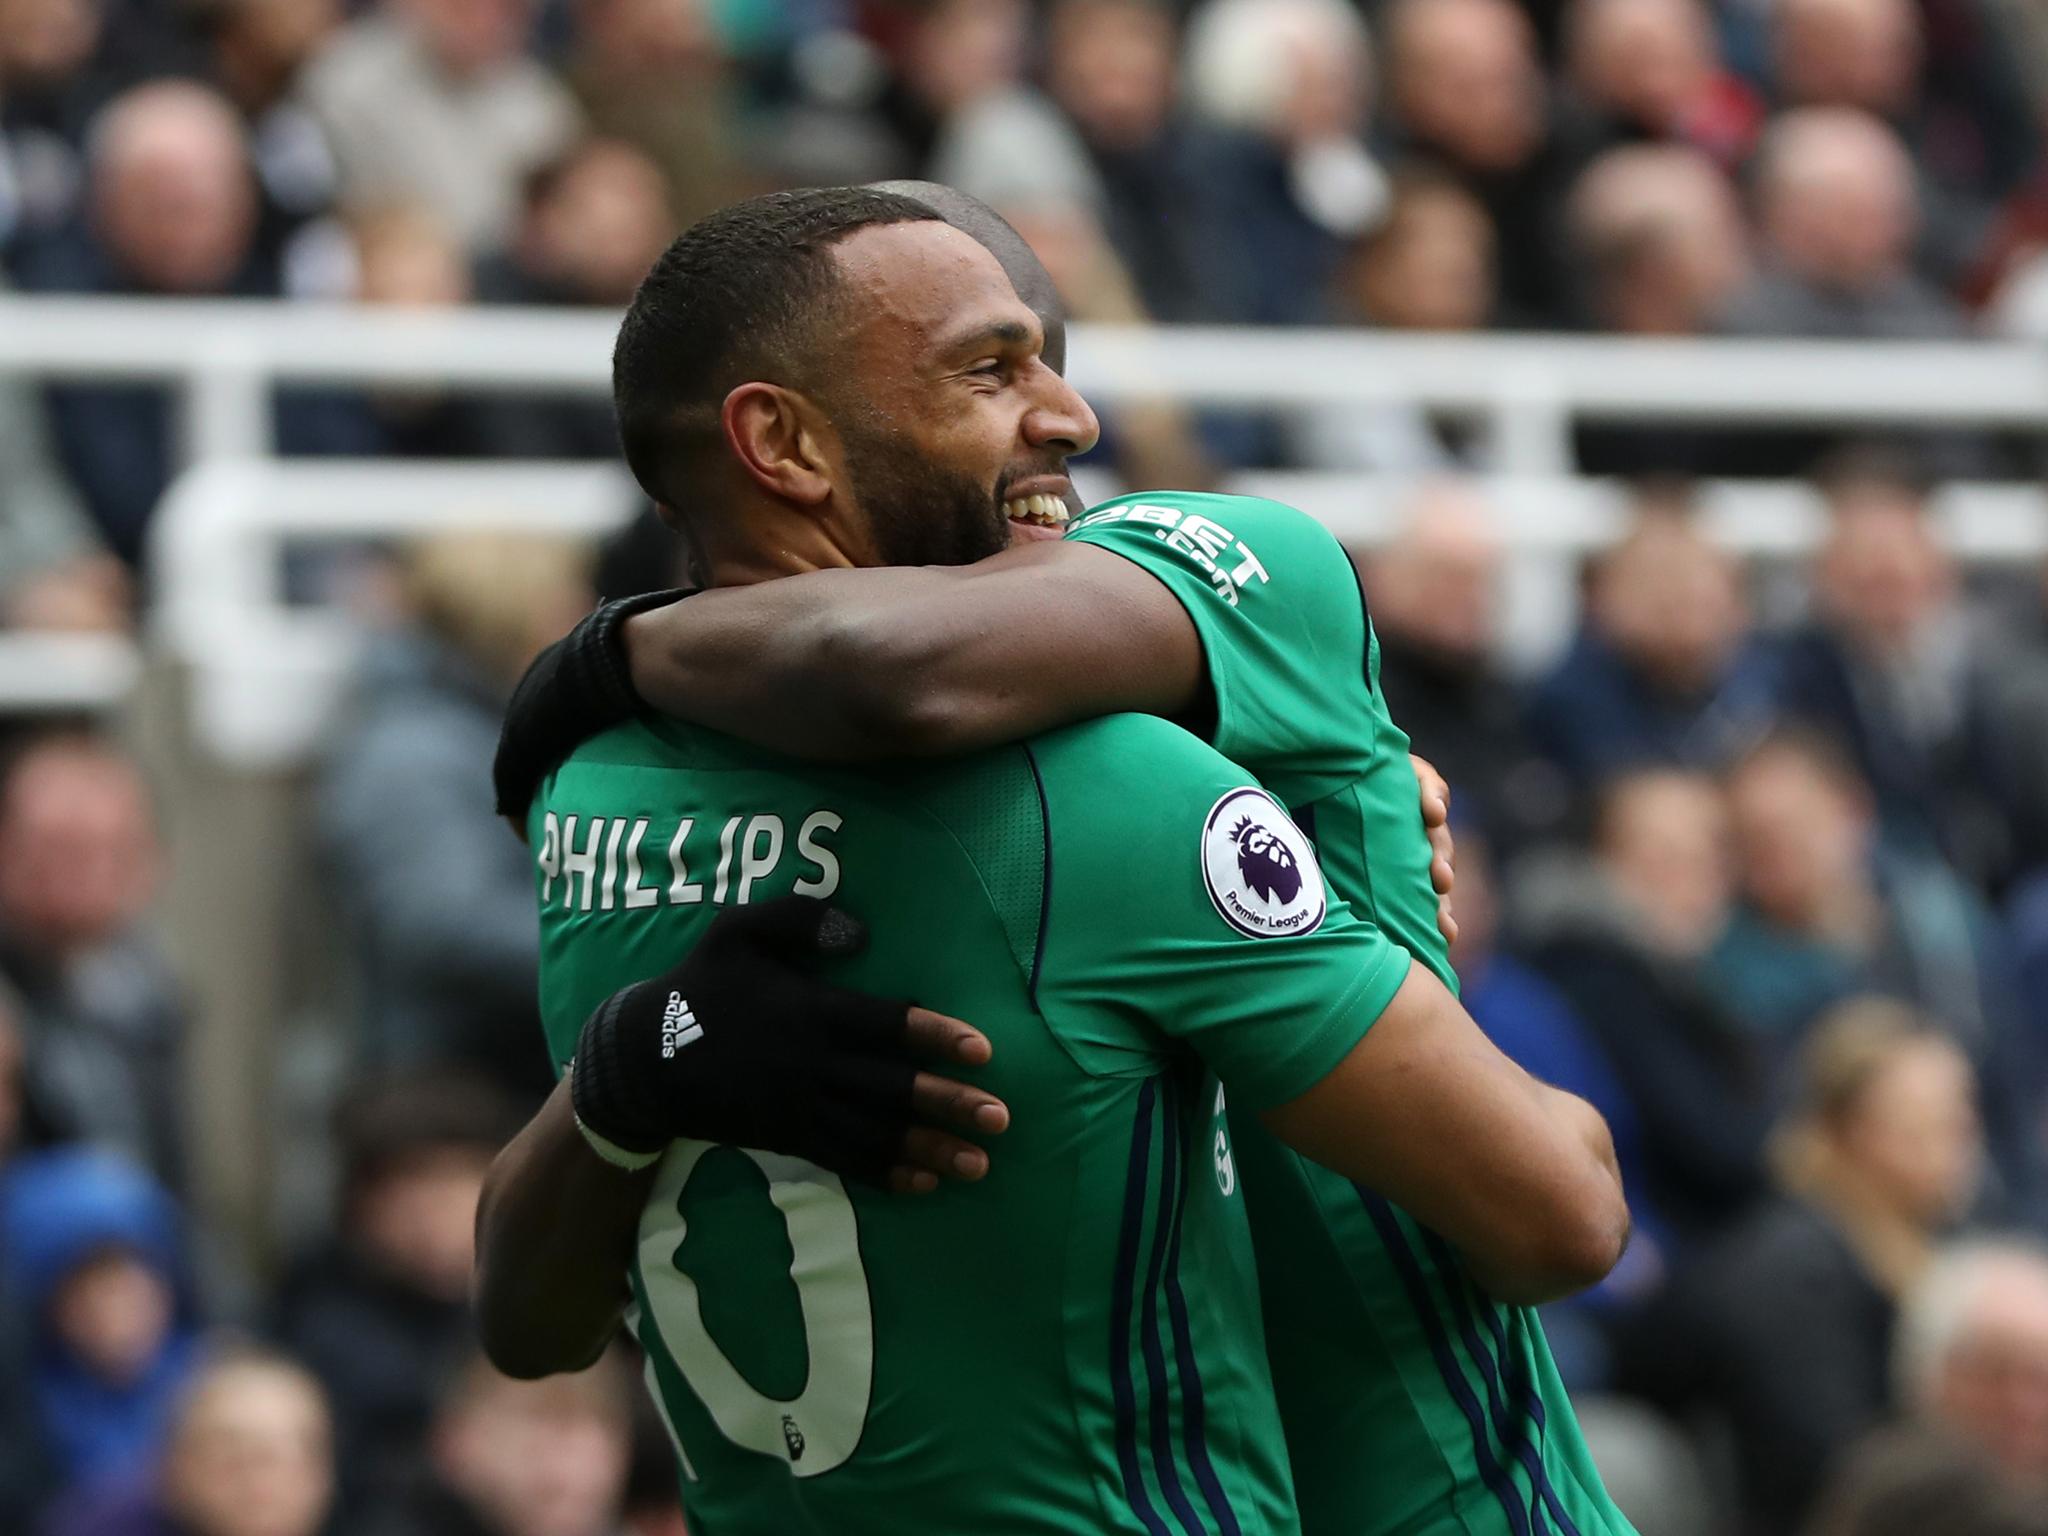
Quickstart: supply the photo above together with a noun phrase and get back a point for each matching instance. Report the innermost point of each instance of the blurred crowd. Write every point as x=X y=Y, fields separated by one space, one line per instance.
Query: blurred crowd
x=1759 y=864
x=1818 y=168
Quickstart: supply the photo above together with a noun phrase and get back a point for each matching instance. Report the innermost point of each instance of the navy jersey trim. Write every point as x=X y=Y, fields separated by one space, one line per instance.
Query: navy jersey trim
x=1523 y=1407
x=1365 y=613
x=1123 y=1389
x=1161 y=1406
x=1194 y=1413
x=1045 y=897
x=1304 y=817
x=1416 y=1284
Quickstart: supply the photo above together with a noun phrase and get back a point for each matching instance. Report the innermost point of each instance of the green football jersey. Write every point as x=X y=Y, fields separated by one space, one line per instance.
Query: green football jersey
x=1073 y=1344
x=1413 y=1404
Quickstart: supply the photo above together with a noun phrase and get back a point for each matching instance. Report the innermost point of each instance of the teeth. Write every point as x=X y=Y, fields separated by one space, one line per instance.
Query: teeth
x=1047 y=511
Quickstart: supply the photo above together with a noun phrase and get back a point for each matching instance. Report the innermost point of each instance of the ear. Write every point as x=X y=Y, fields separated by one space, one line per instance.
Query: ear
x=779 y=440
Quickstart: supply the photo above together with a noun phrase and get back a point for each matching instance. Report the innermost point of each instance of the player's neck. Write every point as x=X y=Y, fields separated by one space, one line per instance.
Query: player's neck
x=772 y=542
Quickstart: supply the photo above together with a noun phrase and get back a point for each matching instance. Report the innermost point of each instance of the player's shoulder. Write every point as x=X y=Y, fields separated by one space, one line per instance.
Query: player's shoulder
x=630 y=744
x=645 y=746
x=1139 y=811
x=1237 y=516
x=1128 y=752
x=1242 y=545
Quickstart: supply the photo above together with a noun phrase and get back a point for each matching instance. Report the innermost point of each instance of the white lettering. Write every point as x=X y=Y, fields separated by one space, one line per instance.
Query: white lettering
x=725 y=858
x=1164 y=517
x=1213 y=537
x=754 y=864
x=636 y=894
x=1249 y=568
x=682 y=890
x=611 y=863
x=1176 y=540
x=579 y=861
x=815 y=826
x=550 y=854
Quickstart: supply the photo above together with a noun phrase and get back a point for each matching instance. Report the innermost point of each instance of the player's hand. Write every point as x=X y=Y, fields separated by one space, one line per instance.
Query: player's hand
x=575 y=688
x=742 y=1044
x=1436 y=820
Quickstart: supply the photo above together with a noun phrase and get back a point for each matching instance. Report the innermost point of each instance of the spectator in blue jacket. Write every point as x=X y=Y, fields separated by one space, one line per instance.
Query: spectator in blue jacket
x=92 y=1246
x=1662 y=673
x=23 y=1468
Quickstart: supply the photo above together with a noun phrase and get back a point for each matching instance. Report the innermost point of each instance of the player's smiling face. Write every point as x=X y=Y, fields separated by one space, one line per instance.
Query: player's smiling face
x=955 y=433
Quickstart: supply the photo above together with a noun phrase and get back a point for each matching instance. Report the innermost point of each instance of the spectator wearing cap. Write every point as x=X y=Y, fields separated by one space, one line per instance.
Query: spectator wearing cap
x=79 y=866
x=520 y=1458
x=94 y=1249
x=248 y=1453
x=1663 y=670
x=1787 y=1327
x=435 y=102
x=379 y=1312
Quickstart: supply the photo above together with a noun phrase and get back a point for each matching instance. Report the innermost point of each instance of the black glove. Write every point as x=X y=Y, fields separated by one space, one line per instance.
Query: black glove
x=575 y=688
x=737 y=1045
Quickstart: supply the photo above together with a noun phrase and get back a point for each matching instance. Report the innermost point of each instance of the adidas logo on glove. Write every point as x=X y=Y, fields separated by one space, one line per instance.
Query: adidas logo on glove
x=679 y=1026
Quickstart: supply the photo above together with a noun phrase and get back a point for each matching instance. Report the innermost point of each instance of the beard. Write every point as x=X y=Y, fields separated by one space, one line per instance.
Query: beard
x=921 y=513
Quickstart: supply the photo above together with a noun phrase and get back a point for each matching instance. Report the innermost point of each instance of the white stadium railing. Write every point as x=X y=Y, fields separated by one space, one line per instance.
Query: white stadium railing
x=215 y=567
x=224 y=356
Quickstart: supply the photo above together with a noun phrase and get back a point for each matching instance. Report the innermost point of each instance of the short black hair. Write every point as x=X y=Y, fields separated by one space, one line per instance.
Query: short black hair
x=735 y=297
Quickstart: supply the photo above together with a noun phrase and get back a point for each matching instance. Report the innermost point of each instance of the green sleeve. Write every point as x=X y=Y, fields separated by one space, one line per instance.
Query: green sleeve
x=1182 y=903
x=1277 y=603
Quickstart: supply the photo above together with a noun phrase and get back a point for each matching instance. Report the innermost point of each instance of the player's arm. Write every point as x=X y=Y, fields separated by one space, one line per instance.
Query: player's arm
x=1520 y=1177
x=1314 y=1019
x=554 y=1239
x=921 y=660
x=777 y=1059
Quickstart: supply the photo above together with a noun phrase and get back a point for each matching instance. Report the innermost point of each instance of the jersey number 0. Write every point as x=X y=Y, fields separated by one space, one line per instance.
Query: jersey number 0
x=819 y=1428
